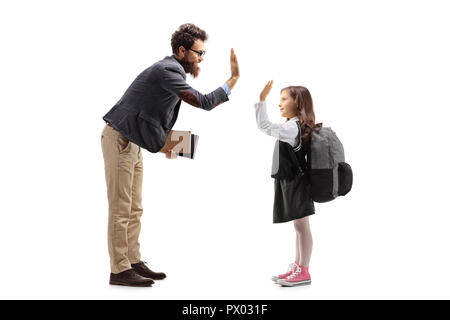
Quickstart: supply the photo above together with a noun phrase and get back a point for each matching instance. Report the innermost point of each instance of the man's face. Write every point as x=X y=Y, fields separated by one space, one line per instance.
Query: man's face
x=190 y=59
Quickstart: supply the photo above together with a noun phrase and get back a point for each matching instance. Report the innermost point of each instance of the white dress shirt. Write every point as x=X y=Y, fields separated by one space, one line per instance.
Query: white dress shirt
x=286 y=132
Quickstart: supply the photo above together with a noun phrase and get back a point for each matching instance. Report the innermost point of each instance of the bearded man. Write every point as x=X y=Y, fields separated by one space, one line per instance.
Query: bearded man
x=143 y=118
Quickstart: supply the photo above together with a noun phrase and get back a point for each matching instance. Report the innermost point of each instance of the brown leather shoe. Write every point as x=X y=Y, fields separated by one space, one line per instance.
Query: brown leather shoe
x=142 y=269
x=130 y=278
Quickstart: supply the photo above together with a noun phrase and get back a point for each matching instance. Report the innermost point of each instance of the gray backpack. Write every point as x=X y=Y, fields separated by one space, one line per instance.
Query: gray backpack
x=329 y=174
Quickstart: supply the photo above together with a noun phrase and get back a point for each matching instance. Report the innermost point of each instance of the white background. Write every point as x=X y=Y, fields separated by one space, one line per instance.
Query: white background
x=378 y=72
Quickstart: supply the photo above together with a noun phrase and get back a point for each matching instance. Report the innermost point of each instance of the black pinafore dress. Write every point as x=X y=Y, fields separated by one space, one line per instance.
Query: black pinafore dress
x=292 y=187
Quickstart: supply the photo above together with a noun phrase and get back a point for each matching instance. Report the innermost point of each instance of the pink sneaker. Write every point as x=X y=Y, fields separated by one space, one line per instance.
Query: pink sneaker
x=292 y=268
x=299 y=276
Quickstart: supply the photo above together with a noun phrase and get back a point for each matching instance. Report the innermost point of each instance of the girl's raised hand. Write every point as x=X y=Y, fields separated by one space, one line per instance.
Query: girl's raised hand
x=265 y=91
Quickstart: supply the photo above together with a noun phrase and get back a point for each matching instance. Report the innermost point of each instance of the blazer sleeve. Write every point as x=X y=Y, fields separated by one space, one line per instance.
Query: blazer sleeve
x=173 y=81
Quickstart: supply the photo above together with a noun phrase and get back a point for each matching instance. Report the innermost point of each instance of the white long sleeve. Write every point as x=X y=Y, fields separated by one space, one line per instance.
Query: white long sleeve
x=286 y=132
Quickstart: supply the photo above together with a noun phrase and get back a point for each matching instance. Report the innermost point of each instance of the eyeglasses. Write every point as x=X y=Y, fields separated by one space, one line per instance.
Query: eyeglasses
x=200 y=53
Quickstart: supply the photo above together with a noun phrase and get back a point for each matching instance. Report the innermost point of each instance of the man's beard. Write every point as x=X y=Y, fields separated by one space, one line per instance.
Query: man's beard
x=190 y=67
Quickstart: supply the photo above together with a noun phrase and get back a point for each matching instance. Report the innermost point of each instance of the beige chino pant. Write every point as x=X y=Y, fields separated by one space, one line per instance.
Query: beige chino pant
x=123 y=173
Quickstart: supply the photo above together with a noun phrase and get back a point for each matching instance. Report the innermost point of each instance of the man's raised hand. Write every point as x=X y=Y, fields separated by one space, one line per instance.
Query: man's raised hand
x=234 y=64
x=234 y=70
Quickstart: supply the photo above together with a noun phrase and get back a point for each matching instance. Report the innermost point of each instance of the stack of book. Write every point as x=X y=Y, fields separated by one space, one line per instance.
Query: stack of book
x=182 y=143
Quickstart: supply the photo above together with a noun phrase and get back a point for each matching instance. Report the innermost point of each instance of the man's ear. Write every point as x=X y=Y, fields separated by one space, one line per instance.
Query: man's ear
x=181 y=52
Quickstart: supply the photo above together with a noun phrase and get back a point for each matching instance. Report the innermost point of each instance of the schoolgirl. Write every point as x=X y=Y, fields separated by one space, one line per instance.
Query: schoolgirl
x=289 y=165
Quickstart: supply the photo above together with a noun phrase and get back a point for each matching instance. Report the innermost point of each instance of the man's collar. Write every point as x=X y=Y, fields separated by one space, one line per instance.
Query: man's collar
x=174 y=58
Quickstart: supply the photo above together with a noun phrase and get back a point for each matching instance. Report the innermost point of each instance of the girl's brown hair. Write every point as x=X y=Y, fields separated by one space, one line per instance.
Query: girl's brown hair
x=304 y=111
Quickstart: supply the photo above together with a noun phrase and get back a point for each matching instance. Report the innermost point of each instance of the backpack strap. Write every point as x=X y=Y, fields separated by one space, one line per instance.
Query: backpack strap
x=293 y=150
x=297 y=148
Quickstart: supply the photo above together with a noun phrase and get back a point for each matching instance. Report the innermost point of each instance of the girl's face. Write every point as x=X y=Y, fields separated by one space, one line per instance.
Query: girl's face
x=287 y=105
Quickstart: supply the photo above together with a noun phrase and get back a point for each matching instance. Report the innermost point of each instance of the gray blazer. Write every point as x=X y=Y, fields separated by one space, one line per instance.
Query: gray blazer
x=149 y=107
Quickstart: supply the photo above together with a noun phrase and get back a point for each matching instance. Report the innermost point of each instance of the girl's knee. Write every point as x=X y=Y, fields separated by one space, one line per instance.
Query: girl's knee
x=301 y=225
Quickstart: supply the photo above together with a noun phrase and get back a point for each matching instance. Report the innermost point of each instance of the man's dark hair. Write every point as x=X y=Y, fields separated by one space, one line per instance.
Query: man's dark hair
x=186 y=35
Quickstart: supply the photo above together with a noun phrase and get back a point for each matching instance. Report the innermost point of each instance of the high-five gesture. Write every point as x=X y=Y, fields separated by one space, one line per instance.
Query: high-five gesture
x=265 y=92
x=234 y=70
x=234 y=64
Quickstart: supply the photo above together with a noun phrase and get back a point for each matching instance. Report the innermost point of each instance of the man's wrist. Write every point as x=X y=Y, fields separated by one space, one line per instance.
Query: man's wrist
x=226 y=88
x=231 y=82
